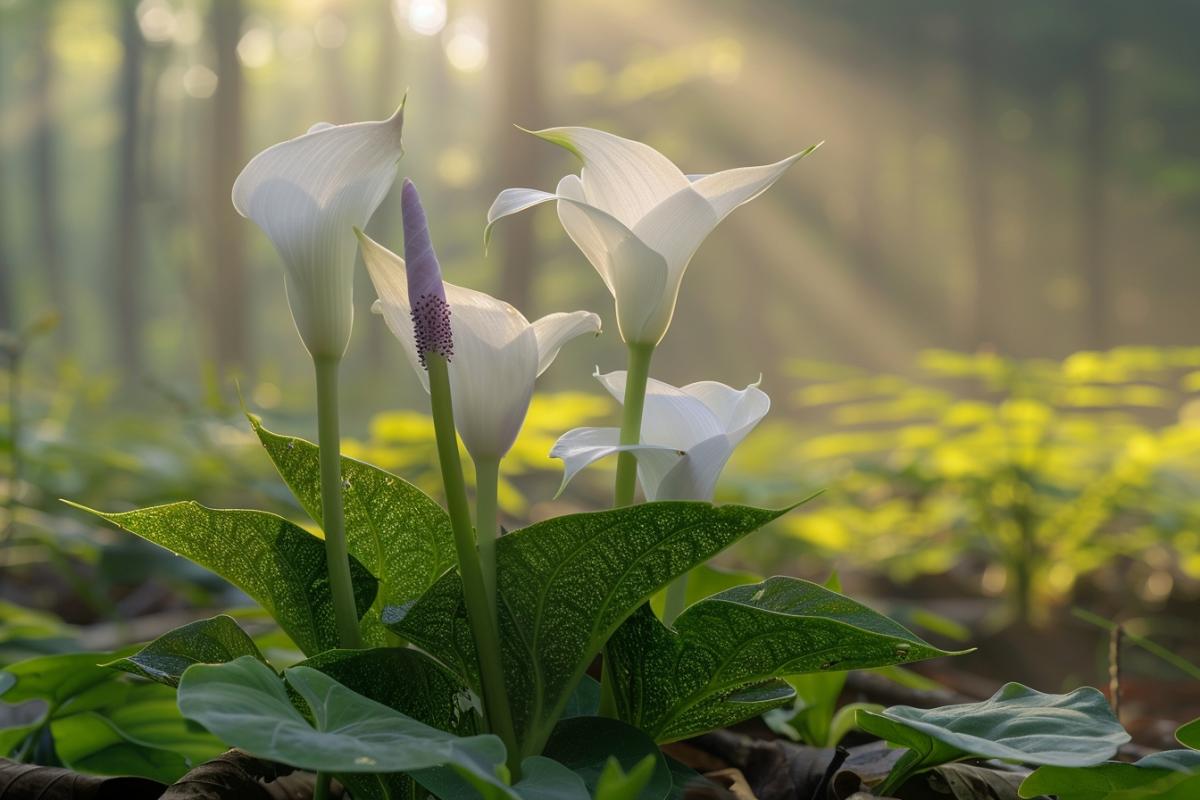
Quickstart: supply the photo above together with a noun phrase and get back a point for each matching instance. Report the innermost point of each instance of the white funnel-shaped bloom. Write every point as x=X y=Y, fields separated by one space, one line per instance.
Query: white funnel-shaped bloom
x=688 y=435
x=308 y=194
x=638 y=218
x=497 y=353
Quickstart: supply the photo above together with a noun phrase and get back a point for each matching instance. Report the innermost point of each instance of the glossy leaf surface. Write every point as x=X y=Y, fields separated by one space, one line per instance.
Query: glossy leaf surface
x=400 y=534
x=565 y=585
x=724 y=660
x=274 y=561
x=206 y=641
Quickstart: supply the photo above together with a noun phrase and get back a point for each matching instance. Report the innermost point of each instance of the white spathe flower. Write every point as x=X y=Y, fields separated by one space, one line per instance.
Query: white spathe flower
x=498 y=353
x=688 y=435
x=638 y=219
x=308 y=194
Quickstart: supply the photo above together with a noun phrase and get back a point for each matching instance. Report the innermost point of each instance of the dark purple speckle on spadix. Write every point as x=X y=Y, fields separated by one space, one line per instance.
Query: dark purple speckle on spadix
x=426 y=294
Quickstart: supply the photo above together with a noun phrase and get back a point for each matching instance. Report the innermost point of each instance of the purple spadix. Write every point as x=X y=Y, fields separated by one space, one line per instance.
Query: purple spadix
x=426 y=294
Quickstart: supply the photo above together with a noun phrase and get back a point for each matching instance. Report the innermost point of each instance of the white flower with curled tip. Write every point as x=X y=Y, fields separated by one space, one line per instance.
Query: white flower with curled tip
x=308 y=194
x=638 y=219
x=497 y=352
x=688 y=435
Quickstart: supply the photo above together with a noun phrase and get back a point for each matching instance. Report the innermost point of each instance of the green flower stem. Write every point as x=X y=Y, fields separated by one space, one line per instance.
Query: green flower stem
x=637 y=374
x=333 y=519
x=487 y=638
x=487 y=527
x=676 y=599
x=631 y=421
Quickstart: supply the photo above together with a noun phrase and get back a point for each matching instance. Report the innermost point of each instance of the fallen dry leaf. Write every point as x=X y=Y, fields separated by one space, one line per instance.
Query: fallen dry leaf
x=734 y=781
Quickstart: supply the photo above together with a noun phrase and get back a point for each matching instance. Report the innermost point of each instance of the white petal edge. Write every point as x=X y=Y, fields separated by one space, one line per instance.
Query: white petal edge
x=737 y=411
x=583 y=446
x=513 y=201
x=621 y=176
x=388 y=276
x=582 y=230
x=555 y=330
x=636 y=275
x=695 y=476
x=731 y=188
x=670 y=417
x=492 y=371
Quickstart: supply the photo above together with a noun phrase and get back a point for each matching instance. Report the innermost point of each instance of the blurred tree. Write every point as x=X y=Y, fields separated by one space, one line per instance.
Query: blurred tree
x=8 y=321
x=1093 y=185
x=229 y=286
x=977 y=157
x=519 y=55
x=127 y=280
x=45 y=169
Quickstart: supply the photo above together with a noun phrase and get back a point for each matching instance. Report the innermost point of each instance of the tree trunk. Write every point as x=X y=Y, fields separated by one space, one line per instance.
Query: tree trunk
x=127 y=255
x=8 y=320
x=229 y=286
x=977 y=154
x=518 y=55
x=1092 y=187
x=50 y=258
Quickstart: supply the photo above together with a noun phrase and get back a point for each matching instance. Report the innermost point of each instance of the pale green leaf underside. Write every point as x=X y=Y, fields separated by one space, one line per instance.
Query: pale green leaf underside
x=565 y=585
x=277 y=563
x=54 y=679
x=722 y=662
x=136 y=730
x=400 y=534
x=206 y=641
x=1017 y=723
x=59 y=680
x=405 y=680
x=101 y=722
x=246 y=705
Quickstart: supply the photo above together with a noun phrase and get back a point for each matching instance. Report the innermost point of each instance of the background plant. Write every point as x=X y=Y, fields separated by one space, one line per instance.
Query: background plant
x=1046 y=471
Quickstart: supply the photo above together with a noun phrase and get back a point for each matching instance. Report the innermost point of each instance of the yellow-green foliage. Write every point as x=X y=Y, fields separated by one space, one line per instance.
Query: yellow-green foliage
x=1040 y=471
x=402 y=441
x=1019 y=475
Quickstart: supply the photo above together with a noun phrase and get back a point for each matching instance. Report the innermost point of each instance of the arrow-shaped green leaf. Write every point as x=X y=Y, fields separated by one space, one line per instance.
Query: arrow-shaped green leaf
x=400 y=534
x=277 y=563
x=205 y=641
x=405 y=680
x=723 y=661
x=564 y=586
x=245 y=704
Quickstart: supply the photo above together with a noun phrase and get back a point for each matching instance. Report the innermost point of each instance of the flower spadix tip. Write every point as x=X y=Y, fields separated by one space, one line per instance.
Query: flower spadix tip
x=426 y=292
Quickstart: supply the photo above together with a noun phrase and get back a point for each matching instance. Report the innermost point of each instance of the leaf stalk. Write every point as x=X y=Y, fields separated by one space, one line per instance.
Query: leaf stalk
x=483 y=627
